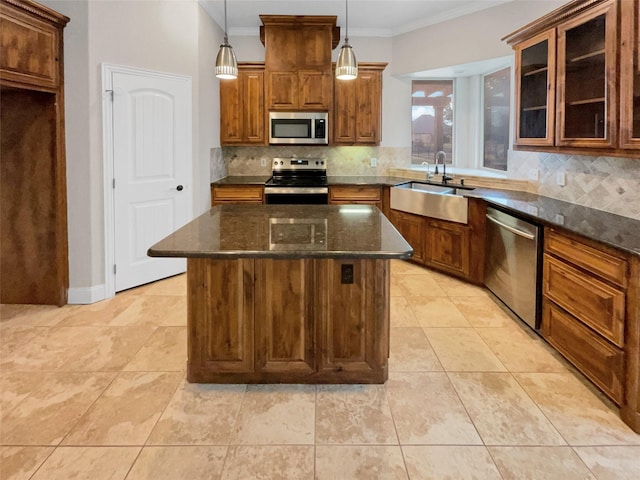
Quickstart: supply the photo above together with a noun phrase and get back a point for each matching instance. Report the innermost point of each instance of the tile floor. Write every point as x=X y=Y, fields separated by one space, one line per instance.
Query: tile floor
x=99 y=392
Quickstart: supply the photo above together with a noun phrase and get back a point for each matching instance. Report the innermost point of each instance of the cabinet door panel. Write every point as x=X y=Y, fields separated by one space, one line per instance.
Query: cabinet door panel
x=283 y=90
x=594 y=302
x=231 y=110
x=225 y=342
x=284 y=307
x=448 y=246
x=344 y=114
x=412 y=228
x=591 y=354
x=587 y=51
x=253 y=106
x=368 y=108
x=315 y=90
x=630 y=76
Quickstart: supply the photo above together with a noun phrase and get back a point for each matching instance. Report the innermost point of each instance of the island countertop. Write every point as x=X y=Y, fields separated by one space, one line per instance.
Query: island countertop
x=286 y=231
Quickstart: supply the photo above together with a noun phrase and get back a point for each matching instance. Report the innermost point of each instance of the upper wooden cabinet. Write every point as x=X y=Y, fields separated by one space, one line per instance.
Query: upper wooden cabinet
x=242 y=116
x=358 y=107
x=298 y=61
x=567 y=81
x=630 y=76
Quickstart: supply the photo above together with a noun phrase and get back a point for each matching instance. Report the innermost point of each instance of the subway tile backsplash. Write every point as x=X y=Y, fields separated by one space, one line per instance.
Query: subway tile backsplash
x=605 y=183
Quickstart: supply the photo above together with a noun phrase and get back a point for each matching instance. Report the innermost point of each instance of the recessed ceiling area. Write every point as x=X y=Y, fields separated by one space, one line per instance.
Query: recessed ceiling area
x=372 y=18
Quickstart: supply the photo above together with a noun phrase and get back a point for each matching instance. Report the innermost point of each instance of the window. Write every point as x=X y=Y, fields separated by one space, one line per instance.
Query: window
x=431 y=119
x=497 y=94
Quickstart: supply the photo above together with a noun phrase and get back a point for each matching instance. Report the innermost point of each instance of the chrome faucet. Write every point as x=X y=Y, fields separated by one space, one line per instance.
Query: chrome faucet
x=429 y=174
x=443 y=158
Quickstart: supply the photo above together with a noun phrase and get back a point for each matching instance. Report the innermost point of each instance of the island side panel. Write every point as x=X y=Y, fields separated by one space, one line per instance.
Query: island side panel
x=630 y=408
x=220 y=316
x=284 y=317
x=353 y=320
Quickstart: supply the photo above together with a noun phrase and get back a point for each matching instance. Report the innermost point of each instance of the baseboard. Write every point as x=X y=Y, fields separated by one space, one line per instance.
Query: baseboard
x=86 y=295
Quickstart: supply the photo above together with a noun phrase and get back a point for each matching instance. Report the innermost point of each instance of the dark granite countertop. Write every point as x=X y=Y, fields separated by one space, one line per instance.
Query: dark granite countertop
x=614 y=230
x=243 y=180
x=286 y=231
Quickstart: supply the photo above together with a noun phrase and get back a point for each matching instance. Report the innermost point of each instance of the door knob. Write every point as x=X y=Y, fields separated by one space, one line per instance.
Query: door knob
x=179 y=188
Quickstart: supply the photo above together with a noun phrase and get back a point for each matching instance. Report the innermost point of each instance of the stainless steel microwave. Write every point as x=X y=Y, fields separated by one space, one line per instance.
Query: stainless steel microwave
x=298 y=128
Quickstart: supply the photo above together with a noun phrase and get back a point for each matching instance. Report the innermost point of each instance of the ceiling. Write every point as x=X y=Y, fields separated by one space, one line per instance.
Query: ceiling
x=373 y=18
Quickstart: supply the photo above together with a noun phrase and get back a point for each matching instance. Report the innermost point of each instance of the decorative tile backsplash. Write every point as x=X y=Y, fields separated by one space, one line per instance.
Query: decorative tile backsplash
x=605 y=183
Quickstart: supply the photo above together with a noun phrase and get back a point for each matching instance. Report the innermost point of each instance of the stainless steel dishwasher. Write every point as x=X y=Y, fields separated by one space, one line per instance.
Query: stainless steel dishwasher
x=512 y=264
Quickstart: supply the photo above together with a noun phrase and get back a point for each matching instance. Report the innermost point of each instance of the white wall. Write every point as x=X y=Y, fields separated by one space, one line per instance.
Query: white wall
x=161 y=35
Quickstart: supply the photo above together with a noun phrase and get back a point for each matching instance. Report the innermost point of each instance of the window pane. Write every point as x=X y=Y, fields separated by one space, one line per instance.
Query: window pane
x=431 y=119
x=497 y=95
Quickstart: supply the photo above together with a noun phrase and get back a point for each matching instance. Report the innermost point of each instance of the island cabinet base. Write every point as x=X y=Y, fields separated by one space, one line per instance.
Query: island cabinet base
x=288 y=320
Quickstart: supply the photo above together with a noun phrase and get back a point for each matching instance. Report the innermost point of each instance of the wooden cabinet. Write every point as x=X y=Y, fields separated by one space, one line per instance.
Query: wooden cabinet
x=358 y=107
x=576 y=77
x=355 y=194
x=630 y=75
x=221 y=194
x=33 y=222
x=242 y=116
x=585 y=308
x=298 y=61
x=450 y=247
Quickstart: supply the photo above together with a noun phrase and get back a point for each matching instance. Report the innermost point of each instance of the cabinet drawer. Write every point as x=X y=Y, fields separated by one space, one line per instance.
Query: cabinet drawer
x=609 y=267
x=237 y=193
x=597 y=304
x=596 y=358
x=371 y=194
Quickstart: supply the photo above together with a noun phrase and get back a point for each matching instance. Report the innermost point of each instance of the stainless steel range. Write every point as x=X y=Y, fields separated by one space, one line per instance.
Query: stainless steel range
x=298 y=181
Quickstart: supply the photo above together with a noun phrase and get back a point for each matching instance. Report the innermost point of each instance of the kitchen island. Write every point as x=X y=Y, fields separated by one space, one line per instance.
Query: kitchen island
x=287 y=294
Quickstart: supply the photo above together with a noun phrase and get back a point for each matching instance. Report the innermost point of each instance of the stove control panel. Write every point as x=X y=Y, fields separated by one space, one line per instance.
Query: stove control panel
x=298 y=164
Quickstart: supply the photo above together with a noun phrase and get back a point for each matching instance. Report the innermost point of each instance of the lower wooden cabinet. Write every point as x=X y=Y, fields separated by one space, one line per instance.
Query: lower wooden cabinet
x=412 y=228
x=447 y=246
x=221 y=194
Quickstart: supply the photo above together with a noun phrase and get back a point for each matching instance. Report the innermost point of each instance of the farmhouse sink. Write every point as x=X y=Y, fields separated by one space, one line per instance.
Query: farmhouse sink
x=435 y=201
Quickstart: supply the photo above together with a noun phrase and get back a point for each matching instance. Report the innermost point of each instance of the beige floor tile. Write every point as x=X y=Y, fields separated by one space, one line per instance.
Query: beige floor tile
x=178 y=463
x=99 y=313
x=403 y=267
x=276 y=414
x=51 y=410
x=269 y=462
x=612 y=463
x=458 y=288
x=459 y=462
x=436 y=312
x=199 y=414
x=410 y=351
x=502 y=411
x=166 y=310
x=482 y=311
x=463 y=350
x=360 y=463
x=522 y=351
x=127 y=411
x=165 y=351
x=416 y=286
x=34 y=315
x=539 y=463
x=15 y=386
x=19 y=463
x=401 y=314
x=427 y=410
x=13 y=339
x=576 y=411
x=95 y=463
x=176 y=285
x=353 y=414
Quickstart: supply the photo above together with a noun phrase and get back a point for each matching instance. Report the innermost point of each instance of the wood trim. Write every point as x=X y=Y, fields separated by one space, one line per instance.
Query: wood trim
x=630 y=408
x=629 y=55
x=39 y=10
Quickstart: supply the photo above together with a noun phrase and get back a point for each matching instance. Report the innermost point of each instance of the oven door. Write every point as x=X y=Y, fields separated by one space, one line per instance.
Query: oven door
x=296 y=195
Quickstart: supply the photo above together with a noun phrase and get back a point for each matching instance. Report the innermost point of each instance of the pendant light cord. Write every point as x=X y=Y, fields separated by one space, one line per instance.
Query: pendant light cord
x=346 y=37
x=226 y=38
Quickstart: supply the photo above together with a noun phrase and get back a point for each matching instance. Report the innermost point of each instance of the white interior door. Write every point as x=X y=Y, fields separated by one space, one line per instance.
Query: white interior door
x=152 y=172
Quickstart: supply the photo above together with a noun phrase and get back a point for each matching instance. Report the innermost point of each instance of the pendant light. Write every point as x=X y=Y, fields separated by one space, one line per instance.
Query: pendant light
x=226 y=63
x=346 y=66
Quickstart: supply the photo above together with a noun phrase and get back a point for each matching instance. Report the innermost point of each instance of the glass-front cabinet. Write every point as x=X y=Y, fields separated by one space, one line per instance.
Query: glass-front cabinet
x=630 y=76
x=535 y=90
x=586 y=79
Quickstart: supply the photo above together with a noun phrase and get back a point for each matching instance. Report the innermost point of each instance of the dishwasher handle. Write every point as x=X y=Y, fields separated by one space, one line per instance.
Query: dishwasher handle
x=527 y=235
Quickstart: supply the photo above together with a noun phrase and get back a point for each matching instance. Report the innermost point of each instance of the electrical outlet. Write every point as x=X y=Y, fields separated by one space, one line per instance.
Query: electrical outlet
x=347 y=273
x=559 y=218
x=532 y=210
x=561 y=178
x=263 y=162
x=374 y=162
x=533 y=174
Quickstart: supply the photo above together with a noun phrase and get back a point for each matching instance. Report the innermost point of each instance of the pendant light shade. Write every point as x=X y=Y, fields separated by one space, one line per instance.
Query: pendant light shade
x=226 y=63
x=346 y=66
